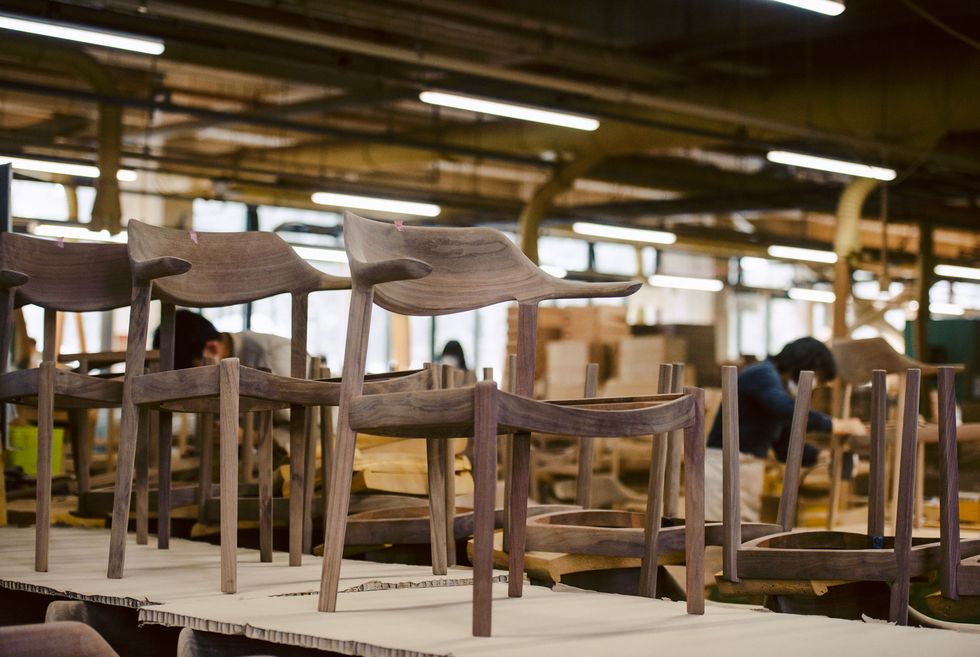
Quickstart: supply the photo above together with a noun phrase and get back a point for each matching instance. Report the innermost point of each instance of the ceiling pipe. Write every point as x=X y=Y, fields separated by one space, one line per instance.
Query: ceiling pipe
x=847 y=245
x=612 y=94
x=106 y=211
x=561 y=180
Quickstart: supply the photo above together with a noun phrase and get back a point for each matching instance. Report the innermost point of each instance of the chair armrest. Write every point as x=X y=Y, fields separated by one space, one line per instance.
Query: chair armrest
x=147 y=270
x=10 y=279
x=387 y=271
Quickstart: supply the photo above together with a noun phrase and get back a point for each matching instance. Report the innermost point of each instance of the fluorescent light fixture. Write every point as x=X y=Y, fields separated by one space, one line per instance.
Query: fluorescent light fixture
x=555 y=270
x=622 y=233
x=320 y=255
x=827 y=164
x=826 y=7
x=379 y=204
x=509 y=110
x=64 y=168
x=686 y=283
x=78 y=233
x=796 y=253
x=81 y=34
x=805 y=294
x=955 y=271
x=937 y=308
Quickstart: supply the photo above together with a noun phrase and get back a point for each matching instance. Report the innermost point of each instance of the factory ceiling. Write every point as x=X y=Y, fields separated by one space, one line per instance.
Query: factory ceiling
x=267 y=101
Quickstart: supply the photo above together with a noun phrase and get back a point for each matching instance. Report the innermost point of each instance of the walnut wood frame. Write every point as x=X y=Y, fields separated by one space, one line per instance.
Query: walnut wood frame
x=432 y=271
x=784 y=558
x=57 y=276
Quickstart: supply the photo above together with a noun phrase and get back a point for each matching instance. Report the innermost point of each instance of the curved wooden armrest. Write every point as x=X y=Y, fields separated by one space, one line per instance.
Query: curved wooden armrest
x=11 y=279
x=147 y=270
x=584 y=290
x=330 y=282
x=387 y=271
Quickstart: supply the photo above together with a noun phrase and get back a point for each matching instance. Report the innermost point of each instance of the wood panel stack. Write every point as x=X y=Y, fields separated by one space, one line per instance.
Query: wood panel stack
x=638 y=361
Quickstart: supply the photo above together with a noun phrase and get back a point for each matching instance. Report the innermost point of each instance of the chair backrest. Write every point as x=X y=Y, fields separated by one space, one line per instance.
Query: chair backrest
x=856 y=359
x=470 y=268
x=226 y=268
x=67 y=276
x=732 y=507
x=949 y=489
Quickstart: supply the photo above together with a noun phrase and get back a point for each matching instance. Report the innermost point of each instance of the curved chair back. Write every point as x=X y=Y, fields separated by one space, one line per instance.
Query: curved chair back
x=470 y=268
x=67 y=276
x=226 y=268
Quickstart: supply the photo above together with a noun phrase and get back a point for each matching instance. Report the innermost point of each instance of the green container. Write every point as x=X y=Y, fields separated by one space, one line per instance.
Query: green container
x=23 y=449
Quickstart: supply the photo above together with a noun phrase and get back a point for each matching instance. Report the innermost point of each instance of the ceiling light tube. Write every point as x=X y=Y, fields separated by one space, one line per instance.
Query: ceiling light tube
x=797 y=253
x=78 y=233
x=147 y=46
x=686 y=283
x=320 y=255
x=623 y=233
x=378 y=204
x=955 y=271
x=64 y=168
x=826 y=7
x=805 y=294
x=509 y=110
x=827 y=164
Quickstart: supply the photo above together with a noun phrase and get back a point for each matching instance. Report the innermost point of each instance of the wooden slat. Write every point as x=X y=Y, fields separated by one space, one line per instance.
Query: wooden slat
x=142 y=491
x=448 y=376
x=266 y=518
x=520 y=454
x=338 y=501
x=45 y=427
x=731 y=497
x=794 y=456
x=586 y=446
x=949 y=495
x=674 y=441
x=876 y=476
x=694 y=504
x=485 y=480
x=229 y=369
x=655 y=498
x=898 y=608
x=298 y=418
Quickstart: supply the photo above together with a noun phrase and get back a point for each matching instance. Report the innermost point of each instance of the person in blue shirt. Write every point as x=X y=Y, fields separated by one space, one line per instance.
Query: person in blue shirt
x=766 y=394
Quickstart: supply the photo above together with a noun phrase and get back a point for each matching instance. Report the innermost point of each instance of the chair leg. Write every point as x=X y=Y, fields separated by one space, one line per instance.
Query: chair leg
x=694 y=505
x=335 y=515
x=143 y=478
x=297 y=455
x=436 y=473
x=309 y=478
x=485 y=484
x=898 y=611
x=205 y=440
x=520 y=458
x=80 y=449
x=228 y=373
x=265 y=486
x=45 y=429
x=164 y=444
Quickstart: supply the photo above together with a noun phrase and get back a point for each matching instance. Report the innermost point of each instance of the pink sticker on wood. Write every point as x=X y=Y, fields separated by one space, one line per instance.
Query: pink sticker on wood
x=194 y=236
x=60 y=242
x=400 y=225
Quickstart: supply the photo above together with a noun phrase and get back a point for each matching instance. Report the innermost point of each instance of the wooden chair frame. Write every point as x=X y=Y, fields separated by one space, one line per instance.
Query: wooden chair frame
x=432 y=271
x=56 y=276
x=656 y=537
x=843 y=556
x=216 y=269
